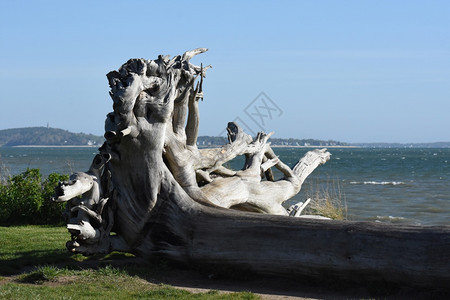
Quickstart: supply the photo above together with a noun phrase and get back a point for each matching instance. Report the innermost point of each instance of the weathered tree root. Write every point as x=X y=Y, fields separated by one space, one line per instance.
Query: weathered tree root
x=168 y=198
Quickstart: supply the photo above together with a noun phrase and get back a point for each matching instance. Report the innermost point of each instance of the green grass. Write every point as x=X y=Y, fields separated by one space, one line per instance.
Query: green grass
x=114 y=288
x=34 y=264
x=25 y=246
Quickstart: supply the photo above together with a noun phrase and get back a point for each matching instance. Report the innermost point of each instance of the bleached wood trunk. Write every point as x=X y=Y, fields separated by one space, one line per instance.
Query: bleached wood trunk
x=168 y=198
x=295 y=247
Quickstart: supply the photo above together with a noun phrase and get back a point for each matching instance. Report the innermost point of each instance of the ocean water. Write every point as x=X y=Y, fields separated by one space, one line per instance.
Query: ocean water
x=63 y=160
x=408 y=186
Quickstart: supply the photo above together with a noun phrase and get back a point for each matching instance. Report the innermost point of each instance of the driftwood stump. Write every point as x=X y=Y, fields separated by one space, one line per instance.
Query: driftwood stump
x=163 y=196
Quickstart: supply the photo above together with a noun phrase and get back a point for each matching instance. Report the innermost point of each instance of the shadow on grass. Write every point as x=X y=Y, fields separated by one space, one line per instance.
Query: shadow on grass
x=163 y=272
x=21 y=261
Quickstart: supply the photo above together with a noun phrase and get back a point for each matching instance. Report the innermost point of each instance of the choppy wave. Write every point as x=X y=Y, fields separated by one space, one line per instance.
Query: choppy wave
x=379 y=182
x=390 y=219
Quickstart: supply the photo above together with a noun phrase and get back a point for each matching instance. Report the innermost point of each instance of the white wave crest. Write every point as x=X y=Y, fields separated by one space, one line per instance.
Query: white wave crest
x=378 y=182
x=389 y=219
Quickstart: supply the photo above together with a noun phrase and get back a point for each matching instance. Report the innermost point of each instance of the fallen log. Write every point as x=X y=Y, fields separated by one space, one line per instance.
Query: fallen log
x=167 y=198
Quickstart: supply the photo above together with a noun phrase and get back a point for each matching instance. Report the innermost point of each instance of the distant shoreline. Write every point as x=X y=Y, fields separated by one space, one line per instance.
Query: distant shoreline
x=313 y=146
x=290 y=146
x=53 y=146
x=210 y=146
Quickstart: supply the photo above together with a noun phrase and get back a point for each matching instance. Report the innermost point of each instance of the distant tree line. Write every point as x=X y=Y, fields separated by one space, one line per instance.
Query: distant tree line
x=205 y=141
x=34 y=136
x=403 y=145
x=305 y=142
x=44 y=136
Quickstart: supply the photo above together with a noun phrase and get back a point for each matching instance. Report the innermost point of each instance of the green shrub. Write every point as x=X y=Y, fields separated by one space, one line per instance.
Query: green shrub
x=22 y=197
x=25 y=199
x=51 y=212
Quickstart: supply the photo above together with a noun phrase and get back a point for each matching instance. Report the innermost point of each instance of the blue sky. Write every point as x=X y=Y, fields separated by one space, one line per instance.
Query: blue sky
x=354 y=71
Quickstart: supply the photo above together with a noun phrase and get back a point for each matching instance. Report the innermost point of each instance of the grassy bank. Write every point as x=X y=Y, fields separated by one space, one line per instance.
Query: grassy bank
x=35 y=265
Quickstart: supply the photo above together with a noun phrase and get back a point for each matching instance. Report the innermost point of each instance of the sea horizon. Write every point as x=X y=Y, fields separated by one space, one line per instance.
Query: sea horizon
x=401 y=185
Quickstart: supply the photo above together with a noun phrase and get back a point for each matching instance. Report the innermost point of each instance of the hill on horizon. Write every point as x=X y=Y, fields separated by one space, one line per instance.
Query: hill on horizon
x=46 y=136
